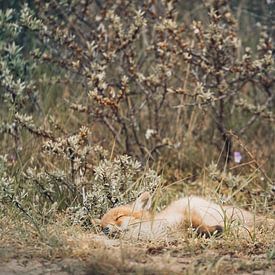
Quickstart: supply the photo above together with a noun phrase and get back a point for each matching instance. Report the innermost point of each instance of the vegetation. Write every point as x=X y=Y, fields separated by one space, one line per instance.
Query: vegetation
x=101 y=100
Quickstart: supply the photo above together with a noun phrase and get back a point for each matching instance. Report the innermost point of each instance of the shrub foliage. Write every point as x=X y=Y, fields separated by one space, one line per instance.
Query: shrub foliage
x=84 y=85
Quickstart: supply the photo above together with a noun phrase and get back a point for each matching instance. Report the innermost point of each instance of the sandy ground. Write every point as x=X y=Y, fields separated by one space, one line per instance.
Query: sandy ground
x=99 y=255
x=35 y=267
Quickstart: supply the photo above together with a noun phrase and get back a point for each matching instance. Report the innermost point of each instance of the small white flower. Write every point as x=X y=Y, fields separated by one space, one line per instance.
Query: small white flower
x=149 y=133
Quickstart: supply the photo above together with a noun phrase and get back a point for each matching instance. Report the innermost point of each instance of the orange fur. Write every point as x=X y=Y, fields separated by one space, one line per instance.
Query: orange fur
x=203 y=215
x=115 y=215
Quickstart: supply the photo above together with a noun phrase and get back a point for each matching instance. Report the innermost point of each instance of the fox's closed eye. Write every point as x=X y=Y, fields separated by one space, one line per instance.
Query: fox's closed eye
x=119 y=217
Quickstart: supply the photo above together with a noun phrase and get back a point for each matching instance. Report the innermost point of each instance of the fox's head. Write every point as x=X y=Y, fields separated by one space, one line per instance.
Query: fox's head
x=119 y=218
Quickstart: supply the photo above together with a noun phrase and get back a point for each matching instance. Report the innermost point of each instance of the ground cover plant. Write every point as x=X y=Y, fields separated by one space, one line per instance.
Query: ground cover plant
x=103 y=100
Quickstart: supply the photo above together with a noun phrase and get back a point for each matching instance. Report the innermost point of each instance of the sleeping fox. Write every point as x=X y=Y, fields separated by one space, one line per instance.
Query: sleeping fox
x=204 y=216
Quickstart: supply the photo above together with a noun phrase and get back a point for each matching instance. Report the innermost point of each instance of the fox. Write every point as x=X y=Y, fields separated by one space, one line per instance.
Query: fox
x=205 y=217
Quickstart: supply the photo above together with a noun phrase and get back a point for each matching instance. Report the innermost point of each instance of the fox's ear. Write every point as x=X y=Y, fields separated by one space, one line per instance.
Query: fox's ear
x=143 y=202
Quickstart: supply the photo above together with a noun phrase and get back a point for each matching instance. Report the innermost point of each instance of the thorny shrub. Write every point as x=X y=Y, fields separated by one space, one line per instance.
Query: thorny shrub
x=87 y=186
x=145 y=82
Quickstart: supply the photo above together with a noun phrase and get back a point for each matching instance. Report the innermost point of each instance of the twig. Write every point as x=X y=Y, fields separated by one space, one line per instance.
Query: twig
x=258 y=166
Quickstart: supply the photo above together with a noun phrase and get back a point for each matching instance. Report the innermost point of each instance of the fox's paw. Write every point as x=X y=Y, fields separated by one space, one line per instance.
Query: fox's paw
x=208 y=231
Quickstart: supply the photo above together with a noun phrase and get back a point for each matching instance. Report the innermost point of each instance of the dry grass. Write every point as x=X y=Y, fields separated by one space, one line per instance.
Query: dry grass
x=163 y=71
x=77 y=251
